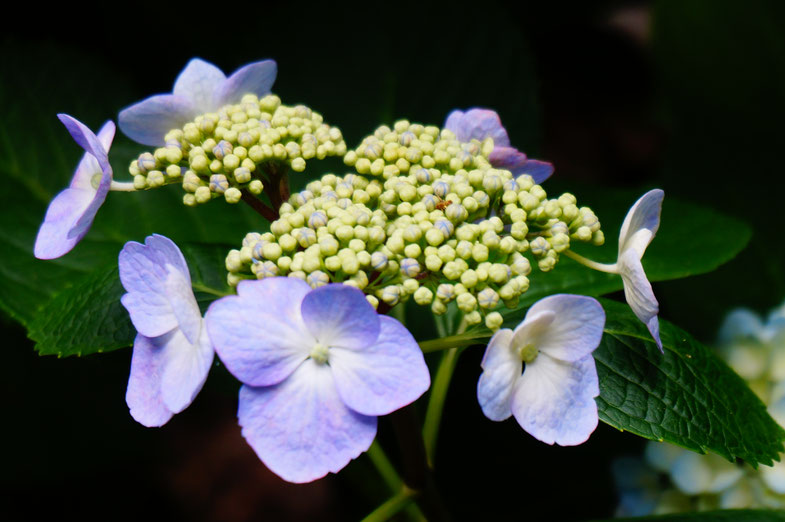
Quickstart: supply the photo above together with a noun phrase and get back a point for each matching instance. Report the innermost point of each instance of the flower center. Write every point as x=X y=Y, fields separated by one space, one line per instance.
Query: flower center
x=319 y=353
x=95 y=181
x=528 y=353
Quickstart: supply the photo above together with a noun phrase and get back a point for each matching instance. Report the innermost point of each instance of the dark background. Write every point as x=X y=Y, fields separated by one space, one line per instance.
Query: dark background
x=687 y=96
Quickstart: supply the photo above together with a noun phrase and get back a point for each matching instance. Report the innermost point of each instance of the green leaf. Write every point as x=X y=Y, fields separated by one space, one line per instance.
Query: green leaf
x=687 y=396
x=87 y=317
x=731 y=515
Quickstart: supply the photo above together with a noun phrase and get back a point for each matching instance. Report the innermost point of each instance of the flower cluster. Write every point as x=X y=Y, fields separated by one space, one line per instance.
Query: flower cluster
x=428 y=218
x=755 y=349
x=238 y=148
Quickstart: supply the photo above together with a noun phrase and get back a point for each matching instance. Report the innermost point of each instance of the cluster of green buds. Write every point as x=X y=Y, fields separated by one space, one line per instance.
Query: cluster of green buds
x=240 y=148
x=425 y=217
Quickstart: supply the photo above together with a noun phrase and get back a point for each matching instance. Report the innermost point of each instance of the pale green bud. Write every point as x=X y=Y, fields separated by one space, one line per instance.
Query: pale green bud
x=233 y=263
x=438 y=308
x=539 y=246
x=373 y=300
x=317 y=279
x=519 y=229
x=287 y=242
x=499 y=273
x=423 y=296
x=491 y=240
x=391 y=294
x=350 y=265
x=521 y=266
x=494 y=321
x=456 y=212
x=202 y=195
x=598 y=238
x=469 y=278
x=233 y=195
x=473 y=318
x=560 y=242
x=466 y=232
x=409 y=286
x=412 y=233
x=466 y=303
x=479 y=253
x=410 y=267
x=433 y=262
x=488 y=298
x=271 y=251
x=546 y=264
x=333 y=263
x=452 y=270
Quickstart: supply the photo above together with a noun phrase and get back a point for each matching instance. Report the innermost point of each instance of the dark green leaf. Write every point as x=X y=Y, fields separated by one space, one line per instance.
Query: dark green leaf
x=729 y=515
x=687 y=396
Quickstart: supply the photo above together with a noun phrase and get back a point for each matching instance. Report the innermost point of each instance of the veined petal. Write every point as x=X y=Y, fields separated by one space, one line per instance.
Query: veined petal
x=508 y=158
x=184 y=369
x=501 y=370
x=539 y=170
x=554 y=400
x=533 y=326
x=148 y=121
x=641 y=223
x=255 y=78
x=259 y=334
x=639 y=295
x=199 y=82
x=143 y=394
x=477 y=124
x=55 y=237
x=383 y=377
x=576 y=329
x=339 y=315
x=88 y=166
x=300 y=428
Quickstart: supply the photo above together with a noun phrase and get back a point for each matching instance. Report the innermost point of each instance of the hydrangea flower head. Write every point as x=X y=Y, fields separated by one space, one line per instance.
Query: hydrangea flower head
x=478 y=124
x=553 y=398
x=639 y=227
x=200 y=88
x=172 y=351
x=71 y=212
x=318 y=367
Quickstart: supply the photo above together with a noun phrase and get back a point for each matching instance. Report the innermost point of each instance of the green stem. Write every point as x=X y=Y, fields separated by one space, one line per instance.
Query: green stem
x=441 y=383
x=386 y=511
x=207 y=290
x=384 y=467
x=602 y=267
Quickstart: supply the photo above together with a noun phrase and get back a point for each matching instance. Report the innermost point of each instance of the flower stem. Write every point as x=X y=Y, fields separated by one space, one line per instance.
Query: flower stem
x=602 y=267
x=384 y=466
x=396 y=503
x=256 y=204
x=122 y=186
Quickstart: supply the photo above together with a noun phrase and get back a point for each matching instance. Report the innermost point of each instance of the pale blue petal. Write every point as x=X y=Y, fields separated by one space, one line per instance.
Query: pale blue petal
x=741 y=323
x=255 y=78
x=382 y=377
x=576 y=329
x=185 y=367
x=477 y=124
x=639 y=295
x=55 y=237
x=554 y=400
x=199 y=82
x=300 y=428
x=143 y=394
x=641 y=223
x=539 y=170
x=181 y=297
x=501 y=370
x=148 y=121
x=339 y=315
x=89 y=166
x=259 y=334
x=508 y=158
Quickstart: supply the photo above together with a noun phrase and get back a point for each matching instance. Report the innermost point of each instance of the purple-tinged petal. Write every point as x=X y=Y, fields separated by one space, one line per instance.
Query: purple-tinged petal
x=148 y=121
x=199 y=82
x=86 y=139
x=383 y=377
x=259 y=334
x=144 y=270
x=184 y=367
x=508 y=158
x=554 y=400
x=477 y=124
x=538 y=170
x=339 y=315
x=300 y=428
x=638 y=292
x=501 y=369
x=88 y=166
x=533 y=326
x=143 y=394
x=55 y=237
x=576 y=329
x=181 y=297
x=641 y=223
x=255 y=78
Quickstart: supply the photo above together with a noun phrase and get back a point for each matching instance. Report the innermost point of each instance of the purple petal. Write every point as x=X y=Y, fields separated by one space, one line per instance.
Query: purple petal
x=501 y=369
x=143 y=395
x=554 y=400
x=477 y=124
x=508 y=158
x=56 y=236
x=339 y=315
x=576 y=329
x=89 y=166
x=259 y=334
x=383 y=377
x=184 y=367
x=255 y=78
x=198 y=83
x=639 y=295
x=539 y=170
x=148 y=121
x=144 y=271
x=641 y=223
x=85 y=138
x=300 y=428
